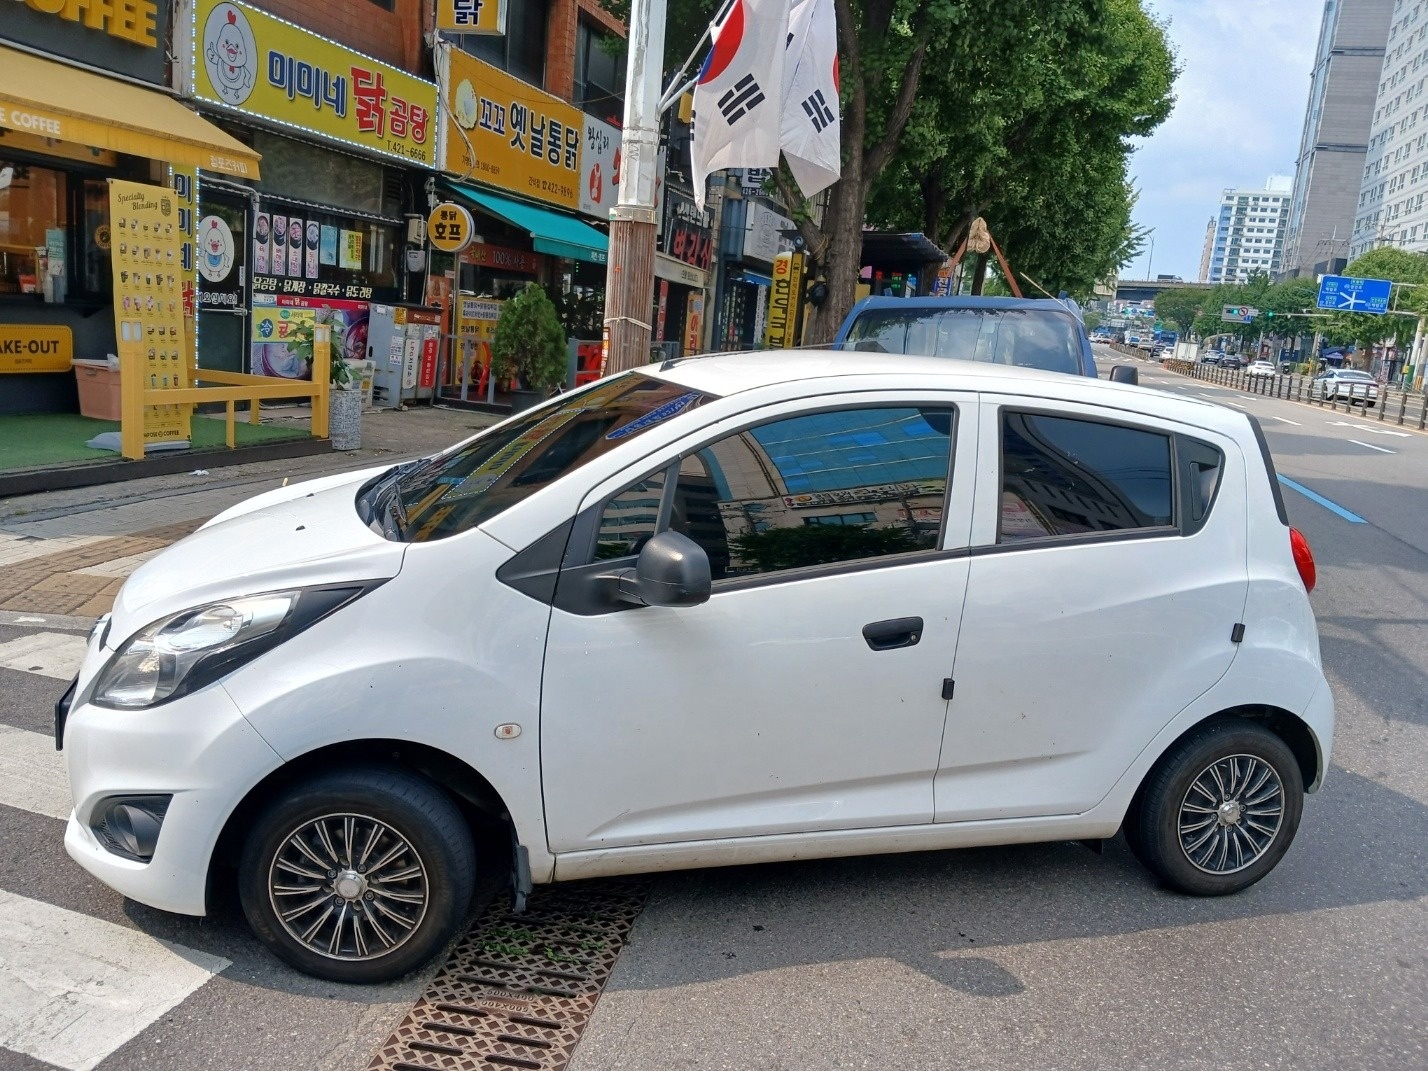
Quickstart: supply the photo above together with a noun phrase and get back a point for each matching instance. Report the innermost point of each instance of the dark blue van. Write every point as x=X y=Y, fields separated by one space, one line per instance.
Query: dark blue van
x=1030 y=332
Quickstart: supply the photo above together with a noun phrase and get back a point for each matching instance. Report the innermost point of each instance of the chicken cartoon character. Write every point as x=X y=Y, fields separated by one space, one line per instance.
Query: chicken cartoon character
x=230 y=54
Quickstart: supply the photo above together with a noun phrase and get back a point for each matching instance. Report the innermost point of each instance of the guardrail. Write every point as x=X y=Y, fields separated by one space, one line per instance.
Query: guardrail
x=1401 y=407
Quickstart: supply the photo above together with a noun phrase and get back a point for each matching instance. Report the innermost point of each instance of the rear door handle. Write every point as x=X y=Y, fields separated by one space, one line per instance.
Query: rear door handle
x=894 y=633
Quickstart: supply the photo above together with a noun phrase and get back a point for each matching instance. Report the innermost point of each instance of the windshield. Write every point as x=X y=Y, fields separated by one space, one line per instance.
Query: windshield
x=470 y=483
x=1030 y=338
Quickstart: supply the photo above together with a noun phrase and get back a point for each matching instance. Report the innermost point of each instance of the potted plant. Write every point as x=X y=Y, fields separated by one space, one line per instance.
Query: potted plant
x=529 y=345
x=344 y=400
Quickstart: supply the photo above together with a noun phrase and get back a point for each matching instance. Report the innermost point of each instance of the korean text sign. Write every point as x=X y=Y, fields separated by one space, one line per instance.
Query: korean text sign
x=246 y=60
x=525 y=140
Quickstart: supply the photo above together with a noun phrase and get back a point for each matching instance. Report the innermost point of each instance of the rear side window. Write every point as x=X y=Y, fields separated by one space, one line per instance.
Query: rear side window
x=1063 y=476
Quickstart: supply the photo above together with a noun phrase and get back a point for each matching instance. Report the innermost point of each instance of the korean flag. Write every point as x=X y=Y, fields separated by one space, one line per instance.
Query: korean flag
x=739 y=96
x=809 y=130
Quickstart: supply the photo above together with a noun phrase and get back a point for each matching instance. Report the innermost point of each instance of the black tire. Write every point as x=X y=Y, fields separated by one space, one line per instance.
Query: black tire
x=1244 y=823
x=416 y=905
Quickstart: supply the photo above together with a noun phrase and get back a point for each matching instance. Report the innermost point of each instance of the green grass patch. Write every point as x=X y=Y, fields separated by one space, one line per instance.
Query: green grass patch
x=51 y=439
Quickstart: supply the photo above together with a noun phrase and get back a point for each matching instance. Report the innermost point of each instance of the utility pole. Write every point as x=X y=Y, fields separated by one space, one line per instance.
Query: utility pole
x=629 y=281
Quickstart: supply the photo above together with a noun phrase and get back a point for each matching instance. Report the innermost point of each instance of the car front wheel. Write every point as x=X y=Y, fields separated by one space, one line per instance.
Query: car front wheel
x=359 y=875
x=1219 y=810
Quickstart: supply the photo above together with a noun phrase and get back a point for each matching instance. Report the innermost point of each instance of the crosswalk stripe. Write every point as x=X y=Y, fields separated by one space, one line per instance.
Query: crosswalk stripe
x=32 y=774
x=51 y=654
x=73 y=989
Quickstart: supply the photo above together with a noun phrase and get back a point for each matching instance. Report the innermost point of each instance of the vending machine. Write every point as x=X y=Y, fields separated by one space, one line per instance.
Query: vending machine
x=402 y=343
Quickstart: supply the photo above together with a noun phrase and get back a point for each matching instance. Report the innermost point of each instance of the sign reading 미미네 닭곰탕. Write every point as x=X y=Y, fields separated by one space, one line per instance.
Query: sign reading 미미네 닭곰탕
x=246 y=60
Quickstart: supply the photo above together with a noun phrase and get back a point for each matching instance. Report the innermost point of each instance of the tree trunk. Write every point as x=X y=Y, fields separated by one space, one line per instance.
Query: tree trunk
x=842 y=260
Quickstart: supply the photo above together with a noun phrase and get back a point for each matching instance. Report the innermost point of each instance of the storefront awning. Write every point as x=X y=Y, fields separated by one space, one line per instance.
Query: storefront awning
x=49 y=99
x=551 y=232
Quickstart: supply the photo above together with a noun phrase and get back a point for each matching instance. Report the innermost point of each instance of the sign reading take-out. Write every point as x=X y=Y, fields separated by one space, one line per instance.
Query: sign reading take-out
x=35 y=348
x=246 y=60
x=510 y=134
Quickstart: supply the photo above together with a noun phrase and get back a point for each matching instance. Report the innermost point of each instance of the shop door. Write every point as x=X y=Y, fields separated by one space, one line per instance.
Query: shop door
x=221 y=249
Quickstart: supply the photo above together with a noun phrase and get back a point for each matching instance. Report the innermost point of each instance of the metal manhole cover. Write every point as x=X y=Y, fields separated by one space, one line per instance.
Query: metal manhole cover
x=518 y=989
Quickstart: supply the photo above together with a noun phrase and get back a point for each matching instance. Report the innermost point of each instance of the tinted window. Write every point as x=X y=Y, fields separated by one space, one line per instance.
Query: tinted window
x=1063 y=476
x=472 y=482
x=1030 y=338
x=817 y=489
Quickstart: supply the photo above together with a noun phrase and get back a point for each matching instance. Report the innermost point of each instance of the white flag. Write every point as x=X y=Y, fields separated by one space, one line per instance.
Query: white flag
x=810 y=128
x=739 y=95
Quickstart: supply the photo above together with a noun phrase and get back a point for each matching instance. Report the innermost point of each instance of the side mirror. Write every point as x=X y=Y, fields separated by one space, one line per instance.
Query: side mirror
x=672 y=570
x=1125 y=373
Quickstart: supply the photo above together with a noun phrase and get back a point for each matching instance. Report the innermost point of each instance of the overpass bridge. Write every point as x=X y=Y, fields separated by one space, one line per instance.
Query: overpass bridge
x=1149 y=289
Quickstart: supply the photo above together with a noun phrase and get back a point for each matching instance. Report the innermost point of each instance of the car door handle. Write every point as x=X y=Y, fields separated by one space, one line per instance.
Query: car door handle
x=894 y=633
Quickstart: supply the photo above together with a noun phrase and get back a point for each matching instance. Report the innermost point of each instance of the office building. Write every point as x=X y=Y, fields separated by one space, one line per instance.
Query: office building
x=1343 y=92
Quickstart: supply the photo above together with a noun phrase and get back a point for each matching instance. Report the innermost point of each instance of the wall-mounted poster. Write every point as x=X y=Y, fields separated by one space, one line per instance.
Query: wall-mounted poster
x=327 y=247
x=351 y=250
x=314 y=231
x=283 y=335
x=262 y=239
x=295 y=247
x=280 y=244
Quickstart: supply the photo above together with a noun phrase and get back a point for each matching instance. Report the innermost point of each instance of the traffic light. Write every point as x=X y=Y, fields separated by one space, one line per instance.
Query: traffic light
x=1269 y=314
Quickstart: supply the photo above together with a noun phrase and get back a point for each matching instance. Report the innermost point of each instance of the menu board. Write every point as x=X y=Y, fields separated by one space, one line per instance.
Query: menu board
x=147 y=250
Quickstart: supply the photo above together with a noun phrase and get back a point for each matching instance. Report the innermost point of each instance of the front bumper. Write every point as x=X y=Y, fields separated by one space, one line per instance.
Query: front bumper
x=201 y=750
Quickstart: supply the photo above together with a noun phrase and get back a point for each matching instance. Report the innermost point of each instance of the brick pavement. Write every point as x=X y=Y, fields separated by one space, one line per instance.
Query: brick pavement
x=74 y=581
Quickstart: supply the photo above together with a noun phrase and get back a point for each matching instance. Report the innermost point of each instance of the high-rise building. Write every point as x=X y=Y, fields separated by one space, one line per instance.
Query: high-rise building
x=1249 y=231
x=1329 y=172
x=1391 y=209
x=1205 y=253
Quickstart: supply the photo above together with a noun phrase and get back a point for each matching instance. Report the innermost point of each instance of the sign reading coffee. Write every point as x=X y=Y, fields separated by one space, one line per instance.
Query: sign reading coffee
x=114 y=35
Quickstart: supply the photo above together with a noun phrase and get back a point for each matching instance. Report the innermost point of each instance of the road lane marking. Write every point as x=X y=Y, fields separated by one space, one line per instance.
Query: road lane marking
x=1313 y=496
x=1286 y=420
x=1380 y=449
x=50 y=654
x=1368 y=428
x=73 y=989
x=32 y=774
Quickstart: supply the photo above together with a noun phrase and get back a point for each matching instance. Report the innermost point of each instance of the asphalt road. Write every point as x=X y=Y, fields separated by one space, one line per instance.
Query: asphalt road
x=1041 y=956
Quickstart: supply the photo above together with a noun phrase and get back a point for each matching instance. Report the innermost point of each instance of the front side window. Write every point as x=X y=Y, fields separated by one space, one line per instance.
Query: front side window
x=459 y=489
x=1063 y=476
x=818 y=489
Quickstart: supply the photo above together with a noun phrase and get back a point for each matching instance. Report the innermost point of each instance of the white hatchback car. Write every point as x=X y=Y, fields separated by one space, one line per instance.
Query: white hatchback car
x=727 y=610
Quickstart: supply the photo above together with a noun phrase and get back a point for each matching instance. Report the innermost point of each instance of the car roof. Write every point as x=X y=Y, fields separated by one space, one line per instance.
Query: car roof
x=963 y=302
x=726 y=374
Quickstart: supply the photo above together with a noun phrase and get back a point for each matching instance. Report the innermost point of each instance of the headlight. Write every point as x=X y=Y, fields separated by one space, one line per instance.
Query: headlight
x=179 y=654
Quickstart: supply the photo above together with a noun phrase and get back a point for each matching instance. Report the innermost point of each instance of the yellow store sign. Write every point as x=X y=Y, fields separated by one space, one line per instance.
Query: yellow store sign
x=35 y=348
x=471 y=16
x=510 y=134
x=248 y=61
x=130 y=20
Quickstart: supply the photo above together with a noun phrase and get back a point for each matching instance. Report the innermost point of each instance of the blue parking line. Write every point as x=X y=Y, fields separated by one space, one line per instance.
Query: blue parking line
x=1332 y=507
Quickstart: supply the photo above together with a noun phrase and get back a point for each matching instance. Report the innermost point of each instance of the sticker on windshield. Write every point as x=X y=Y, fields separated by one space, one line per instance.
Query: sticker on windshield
x=670 y=408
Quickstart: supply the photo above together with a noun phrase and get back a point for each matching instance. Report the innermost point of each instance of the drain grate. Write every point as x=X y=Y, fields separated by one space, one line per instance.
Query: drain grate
x=518 y=989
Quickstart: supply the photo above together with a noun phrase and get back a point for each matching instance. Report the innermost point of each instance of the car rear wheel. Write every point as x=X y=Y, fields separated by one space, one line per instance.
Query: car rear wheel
x=1219 y=810
x=359 y=875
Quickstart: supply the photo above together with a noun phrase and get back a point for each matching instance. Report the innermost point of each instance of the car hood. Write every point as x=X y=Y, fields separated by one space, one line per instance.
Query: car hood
x=311 y=537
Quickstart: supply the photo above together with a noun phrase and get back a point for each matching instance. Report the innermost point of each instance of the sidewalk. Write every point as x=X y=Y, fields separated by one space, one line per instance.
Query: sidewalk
x=68 y=552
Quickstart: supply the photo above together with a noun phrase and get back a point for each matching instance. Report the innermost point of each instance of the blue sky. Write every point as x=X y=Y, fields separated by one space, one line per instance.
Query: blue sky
x=1238 y=116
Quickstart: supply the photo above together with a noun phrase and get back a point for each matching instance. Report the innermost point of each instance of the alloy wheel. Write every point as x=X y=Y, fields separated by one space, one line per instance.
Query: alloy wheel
x=348 y=887
x=1231 y=814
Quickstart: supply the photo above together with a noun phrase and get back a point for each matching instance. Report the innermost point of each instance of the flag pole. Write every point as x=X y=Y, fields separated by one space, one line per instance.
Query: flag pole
x=680 y=85
x=629 y=281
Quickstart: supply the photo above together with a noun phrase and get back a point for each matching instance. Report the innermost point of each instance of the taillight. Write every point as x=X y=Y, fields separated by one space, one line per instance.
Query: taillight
x=1303 y=558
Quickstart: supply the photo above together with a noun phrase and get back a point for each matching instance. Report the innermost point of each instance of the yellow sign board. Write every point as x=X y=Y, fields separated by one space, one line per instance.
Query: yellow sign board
x=450 y=227
x=146 y=247
x=35 y=348
x=130 y=20
x=785 y=297
x=510 y=134
x=471 y=16
x=248 y=61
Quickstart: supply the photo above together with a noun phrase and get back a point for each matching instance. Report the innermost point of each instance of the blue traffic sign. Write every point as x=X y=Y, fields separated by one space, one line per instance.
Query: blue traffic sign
x=1347 y=294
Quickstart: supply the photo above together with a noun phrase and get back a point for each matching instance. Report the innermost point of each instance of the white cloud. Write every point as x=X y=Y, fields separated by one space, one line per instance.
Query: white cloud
x=1238 y=117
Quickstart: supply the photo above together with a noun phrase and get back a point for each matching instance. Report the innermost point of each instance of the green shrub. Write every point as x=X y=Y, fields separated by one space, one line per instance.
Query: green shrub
x=529 y=342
